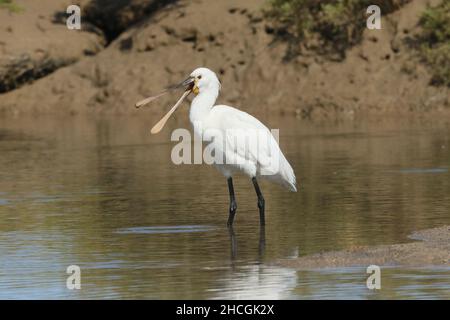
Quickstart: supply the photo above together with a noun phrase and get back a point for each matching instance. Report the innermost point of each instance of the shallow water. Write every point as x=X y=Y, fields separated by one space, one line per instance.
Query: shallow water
x=103 y=194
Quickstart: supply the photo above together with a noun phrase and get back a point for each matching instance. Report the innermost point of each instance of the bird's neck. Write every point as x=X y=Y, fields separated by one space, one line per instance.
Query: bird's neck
x=201 y=105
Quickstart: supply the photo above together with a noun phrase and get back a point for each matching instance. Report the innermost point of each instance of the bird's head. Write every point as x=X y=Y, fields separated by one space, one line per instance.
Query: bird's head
x=200 y=80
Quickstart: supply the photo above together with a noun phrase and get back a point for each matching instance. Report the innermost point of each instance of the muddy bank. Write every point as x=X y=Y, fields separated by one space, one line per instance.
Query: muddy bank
x=33 y=44
x=378 y=76
x=430 y=248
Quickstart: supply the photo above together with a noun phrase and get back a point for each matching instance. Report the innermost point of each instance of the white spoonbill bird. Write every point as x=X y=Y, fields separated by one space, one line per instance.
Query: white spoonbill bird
x=240 y=141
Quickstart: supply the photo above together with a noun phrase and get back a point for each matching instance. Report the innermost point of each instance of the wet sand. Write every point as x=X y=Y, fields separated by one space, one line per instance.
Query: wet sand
x=430 y=248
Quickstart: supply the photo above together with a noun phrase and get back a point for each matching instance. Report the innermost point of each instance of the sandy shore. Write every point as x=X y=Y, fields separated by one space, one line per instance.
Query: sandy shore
x=430 y=248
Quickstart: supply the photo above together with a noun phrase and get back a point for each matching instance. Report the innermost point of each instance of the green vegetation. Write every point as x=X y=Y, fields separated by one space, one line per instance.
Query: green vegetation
x=435 y=42
x=10 y=5
x=329 y=26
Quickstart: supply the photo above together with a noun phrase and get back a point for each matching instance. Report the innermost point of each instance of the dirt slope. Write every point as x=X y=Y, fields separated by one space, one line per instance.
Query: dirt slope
x=378 y=76
x=32 y=45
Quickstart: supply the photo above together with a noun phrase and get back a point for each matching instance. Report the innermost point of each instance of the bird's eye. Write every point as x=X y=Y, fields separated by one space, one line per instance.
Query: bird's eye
x=199 y=77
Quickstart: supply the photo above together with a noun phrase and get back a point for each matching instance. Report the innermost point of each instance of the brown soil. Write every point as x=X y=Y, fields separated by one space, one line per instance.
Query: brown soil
x=432 y=249
x=378 y=76
x=32 y=45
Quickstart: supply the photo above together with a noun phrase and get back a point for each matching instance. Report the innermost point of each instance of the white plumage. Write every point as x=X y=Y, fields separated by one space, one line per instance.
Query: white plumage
x=246 y=144
x=236 y=140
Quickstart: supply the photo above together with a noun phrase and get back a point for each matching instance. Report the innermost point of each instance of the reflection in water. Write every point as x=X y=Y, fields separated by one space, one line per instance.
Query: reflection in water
x=104 y=195
x=261 y=246
x=164 y=229
x=427 y=170
x=233 y=243
x=256 y=282
x=396 y=283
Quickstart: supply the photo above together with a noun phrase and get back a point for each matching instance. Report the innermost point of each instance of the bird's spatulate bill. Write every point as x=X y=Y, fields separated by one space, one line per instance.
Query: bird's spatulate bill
x=150 y=99
x=186 y=83
x=158 y=127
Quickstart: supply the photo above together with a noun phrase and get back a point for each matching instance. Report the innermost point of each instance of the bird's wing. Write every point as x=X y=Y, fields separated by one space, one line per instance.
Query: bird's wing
x=248 y=139
x=246 y=136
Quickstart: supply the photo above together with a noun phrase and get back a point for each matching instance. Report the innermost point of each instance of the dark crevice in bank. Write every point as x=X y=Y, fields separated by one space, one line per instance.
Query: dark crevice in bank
x=114 y=17
x=23 y=70
x=108 y=19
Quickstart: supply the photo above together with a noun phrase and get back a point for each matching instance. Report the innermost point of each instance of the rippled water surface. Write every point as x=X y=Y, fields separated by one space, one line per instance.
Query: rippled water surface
x=103 y=194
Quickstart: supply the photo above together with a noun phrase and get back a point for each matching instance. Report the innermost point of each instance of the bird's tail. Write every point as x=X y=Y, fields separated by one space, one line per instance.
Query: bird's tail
x=284 y=175
x=288 y=176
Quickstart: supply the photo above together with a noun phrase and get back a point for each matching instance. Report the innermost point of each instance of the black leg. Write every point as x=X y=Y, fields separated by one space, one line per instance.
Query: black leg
x=233 y=205
x=261 y=202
